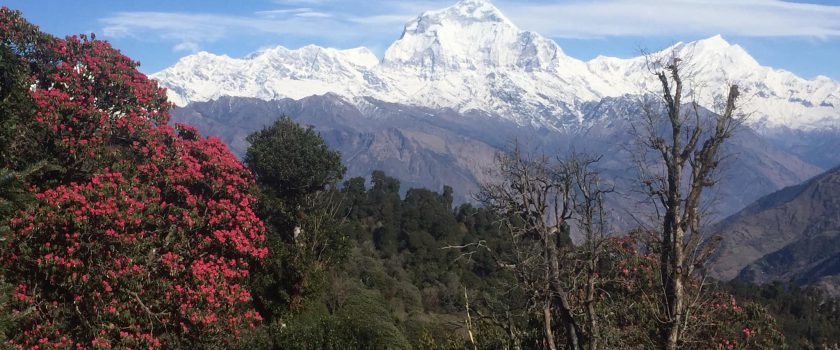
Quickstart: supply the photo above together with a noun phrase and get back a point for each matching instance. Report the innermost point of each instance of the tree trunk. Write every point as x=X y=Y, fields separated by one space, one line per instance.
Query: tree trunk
x=594 y=332
x=559 y=297
x=512 y=333
x=673 y=234
x=677 y=292
x=549 y=332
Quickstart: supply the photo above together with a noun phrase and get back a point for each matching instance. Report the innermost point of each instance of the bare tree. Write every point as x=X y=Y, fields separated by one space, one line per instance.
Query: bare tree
x=588 y=197
x=686 y=143
x=535 y=200
x=539 y=199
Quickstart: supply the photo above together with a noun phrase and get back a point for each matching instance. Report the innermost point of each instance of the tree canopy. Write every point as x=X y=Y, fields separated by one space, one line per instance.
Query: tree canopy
x=292 y=160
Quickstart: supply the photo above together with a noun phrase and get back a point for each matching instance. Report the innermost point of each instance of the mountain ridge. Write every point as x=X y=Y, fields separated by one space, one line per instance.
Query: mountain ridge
x=431 y=148
x=792 y=235
x=470 y=56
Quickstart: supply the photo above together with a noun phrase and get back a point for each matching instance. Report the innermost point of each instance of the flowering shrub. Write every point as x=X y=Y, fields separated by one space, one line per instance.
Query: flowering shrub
x=717 y=320
x=145 y=238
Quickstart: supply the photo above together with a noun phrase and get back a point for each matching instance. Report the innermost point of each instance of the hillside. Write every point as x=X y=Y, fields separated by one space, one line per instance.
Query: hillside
x=431 y=148
x=790 y=235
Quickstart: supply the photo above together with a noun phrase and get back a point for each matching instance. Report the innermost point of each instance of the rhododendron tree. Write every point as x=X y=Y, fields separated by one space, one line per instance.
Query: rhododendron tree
x=139 y=235
x=629 y=306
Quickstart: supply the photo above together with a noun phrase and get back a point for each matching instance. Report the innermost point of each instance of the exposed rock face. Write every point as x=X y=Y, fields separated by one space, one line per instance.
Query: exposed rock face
x=402 y=140
x=792 y=234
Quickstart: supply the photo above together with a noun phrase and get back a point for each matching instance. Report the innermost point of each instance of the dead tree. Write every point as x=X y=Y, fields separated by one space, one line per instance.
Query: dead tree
x=588 y=198
x=686 y=143
x=534 y=198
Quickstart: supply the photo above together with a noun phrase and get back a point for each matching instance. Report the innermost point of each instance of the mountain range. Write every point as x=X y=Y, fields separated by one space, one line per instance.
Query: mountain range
x=464 y=82
x=471 y=57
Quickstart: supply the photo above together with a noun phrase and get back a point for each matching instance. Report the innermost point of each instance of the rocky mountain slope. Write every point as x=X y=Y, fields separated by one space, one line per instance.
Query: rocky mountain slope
x=434 y=147
x=790 y=235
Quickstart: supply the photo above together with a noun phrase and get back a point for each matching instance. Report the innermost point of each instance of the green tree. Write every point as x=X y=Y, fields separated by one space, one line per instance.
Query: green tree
x=296 y=173
x=291 y=161
x=384 y=197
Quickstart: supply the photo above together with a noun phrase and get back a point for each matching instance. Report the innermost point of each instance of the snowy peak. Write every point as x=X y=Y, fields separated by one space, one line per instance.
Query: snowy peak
x=269 y=74
x=714 y=51
x=469 y=56
x=319 y=57
x=772 y=97
x=471 y=35
x=714 y=43
x=466 y=11
x=361 y=56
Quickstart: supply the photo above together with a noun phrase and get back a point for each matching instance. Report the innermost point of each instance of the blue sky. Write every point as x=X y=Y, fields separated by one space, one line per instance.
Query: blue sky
x=800 y=36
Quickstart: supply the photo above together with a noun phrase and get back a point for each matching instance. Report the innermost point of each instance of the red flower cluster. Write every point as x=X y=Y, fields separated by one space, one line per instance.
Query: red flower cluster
x=148 y=243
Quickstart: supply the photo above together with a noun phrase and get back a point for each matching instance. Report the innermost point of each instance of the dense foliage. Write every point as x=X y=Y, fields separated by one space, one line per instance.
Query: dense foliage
x=134 y=234
x=413 y=291
x=296 y=175
x=807 y=316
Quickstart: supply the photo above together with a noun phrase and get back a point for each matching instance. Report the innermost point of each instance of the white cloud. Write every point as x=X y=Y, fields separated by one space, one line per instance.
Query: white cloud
x=344 y=20
x=313 y=14
x=186 y=46
x=293 y=12
x=766 y=18
x=188 y=31
x=282 y=12
x=396 y=20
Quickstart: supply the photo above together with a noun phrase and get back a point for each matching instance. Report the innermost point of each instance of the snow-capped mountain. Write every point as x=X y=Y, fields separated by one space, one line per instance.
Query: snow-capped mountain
x=271 y=74
x=471 y=57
